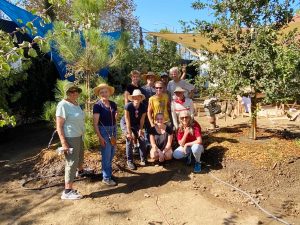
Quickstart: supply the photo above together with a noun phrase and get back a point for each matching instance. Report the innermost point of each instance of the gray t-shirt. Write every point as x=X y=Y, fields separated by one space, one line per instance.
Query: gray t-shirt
x=181 y=83
x=74 y=118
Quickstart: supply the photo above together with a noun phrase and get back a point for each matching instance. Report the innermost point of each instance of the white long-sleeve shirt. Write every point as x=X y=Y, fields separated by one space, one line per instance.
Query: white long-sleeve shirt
x=177 y=107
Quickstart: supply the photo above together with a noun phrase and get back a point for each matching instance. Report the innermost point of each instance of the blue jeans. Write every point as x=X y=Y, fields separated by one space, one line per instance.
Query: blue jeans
x=196 y=149
x=108 y=151
x=142 y=148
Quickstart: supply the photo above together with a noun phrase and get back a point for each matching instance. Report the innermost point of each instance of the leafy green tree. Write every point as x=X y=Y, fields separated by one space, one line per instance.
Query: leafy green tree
x=83 y=46
x=255 y=52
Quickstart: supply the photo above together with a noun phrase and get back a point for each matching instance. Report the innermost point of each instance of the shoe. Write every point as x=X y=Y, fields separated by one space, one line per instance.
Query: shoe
x=131 y=165
x=109 y=182
x=189 y=159
x=71 y=195
x=84 y=173
x=143 y=163
x=197 y=167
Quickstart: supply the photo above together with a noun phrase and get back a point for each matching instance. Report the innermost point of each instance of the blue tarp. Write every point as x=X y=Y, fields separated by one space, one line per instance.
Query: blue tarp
x=21 y=17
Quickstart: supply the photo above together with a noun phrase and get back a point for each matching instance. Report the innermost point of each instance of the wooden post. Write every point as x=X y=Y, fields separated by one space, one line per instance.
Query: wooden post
x=253 y=128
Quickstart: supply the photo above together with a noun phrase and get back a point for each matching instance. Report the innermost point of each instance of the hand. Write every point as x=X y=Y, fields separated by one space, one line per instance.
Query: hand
x=183 y=69
x=102 y=141
x=66 y=147
x=141 y=133
x=161 y=156
x=185 y=149
x=129 y=136
x=186 y=130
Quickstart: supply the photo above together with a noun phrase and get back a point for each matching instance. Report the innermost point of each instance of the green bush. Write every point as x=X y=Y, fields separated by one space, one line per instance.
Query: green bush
x=49 y=112
x=90 y=139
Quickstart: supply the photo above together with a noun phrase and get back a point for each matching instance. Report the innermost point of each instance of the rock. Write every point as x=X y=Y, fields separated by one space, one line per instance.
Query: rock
x=127 y=218
x=146 y=195
x=216 y=195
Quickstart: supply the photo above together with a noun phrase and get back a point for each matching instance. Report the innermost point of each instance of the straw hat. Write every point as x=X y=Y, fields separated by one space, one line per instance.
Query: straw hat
x=184 y=113
x=70 y=86
x=136 y=92
x=179 y=89
x=110 y=89
x=145 y=76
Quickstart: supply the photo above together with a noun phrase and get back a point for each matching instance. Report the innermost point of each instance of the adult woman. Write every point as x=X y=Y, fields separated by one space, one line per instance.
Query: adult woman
x=70 y=129
x=190 y=140
x=180 y=103
x=158 y=103
x=176 y=81
x=161 y=137
x=105 y=116
x=135 y=113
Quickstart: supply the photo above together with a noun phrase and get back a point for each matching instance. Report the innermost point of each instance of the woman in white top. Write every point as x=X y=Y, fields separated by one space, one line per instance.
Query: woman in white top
x=180 y=103
x=70 y=129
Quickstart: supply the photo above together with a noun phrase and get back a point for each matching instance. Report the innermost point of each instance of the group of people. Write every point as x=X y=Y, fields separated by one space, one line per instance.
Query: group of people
x=157 y=117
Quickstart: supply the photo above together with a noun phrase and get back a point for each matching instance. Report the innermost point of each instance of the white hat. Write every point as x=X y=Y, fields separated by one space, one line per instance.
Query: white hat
x=136 y=92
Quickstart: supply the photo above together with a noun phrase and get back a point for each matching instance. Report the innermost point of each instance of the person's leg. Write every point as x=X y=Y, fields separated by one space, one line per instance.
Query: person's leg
x=179 y=153
x=154 y=154
x=168 y=155
x=81 y=156
x=72 y=160
x=143 y=149
x=197 y=150
x=106 y=155
x=129 y=152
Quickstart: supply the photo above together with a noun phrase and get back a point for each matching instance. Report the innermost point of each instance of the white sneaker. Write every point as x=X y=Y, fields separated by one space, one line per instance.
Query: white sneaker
x=72 y=195
x=109 y=182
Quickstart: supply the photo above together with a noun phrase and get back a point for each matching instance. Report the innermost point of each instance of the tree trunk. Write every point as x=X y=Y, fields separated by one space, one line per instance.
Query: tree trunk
x=50 y=12
x=88 y=102
x=253 y=128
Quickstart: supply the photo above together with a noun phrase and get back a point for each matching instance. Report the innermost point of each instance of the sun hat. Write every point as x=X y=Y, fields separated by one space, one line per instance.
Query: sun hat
x=136 y=92
x=145 y=76
x=179 y=89
x=70 y=86
x=110 y=89
x=184 y=113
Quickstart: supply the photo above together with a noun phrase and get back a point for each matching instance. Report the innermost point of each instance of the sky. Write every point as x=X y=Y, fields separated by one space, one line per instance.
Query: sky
x=155 y=15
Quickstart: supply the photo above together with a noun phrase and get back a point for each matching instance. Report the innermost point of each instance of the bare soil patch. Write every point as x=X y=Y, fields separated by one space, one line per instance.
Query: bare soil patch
x=267 y=168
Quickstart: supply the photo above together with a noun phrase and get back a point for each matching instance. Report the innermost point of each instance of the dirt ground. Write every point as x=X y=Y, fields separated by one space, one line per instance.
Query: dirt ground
x=268 y=169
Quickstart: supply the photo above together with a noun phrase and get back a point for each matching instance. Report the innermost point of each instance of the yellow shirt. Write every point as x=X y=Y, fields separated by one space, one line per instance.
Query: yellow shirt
x=159 y=105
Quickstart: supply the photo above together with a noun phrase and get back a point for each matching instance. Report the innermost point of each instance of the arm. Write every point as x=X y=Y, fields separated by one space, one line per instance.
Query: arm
x=174 y=115
x=96 y=117
x=126 y=93
x=152 y=142
x=183 y=76
x=197 y=141
x=128 y=125
x=142 y=122
x=192 y=110
x=149 y=113
x=183 y=139
x=169 y=143
x=60 y=130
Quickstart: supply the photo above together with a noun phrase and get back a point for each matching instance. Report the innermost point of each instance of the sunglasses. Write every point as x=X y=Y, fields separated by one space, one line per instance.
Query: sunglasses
x=136 y=113
x=184 y=117
x=73 y=91
x=158 y=88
